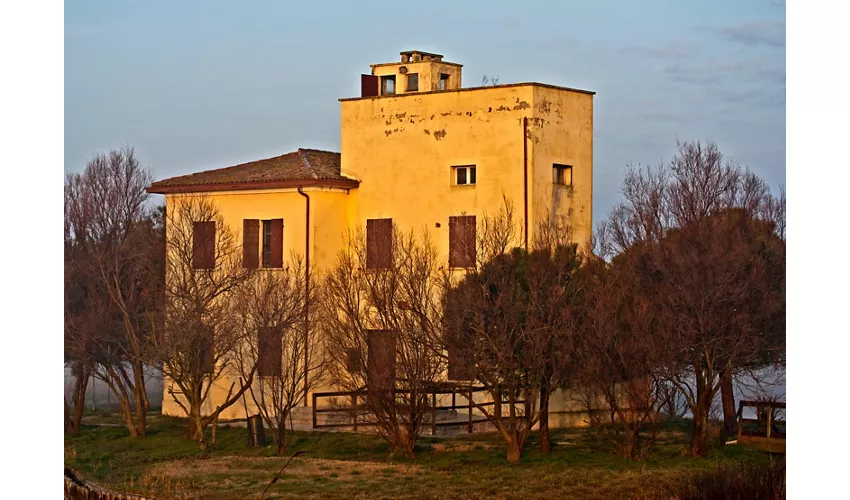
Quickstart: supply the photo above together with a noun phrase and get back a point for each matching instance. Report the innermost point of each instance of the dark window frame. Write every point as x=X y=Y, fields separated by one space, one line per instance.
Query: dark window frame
x=414 y=88
x=444 y=81
x=384 y=80
x=562 y=175
x=470 y=176
x=266 y=244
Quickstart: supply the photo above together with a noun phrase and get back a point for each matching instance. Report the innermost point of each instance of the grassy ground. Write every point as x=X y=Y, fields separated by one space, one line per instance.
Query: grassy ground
x=344 y=465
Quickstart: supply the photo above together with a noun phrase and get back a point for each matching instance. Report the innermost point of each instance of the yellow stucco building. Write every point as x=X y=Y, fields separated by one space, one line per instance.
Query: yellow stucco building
x=417 y=148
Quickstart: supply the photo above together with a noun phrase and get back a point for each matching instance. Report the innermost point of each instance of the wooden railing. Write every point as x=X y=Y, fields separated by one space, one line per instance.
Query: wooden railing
x=767 y=424
x=358 y=414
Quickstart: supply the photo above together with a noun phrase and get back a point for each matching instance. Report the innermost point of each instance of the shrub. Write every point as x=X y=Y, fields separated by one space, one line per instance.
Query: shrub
x=747 y=480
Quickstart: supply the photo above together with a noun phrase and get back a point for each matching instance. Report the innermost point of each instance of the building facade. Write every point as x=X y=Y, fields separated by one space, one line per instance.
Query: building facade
x=419 y=149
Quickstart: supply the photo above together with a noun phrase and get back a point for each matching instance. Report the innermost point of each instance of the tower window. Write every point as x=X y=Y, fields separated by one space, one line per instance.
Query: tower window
x=562 y=174
x=464 y=175
x=388 y=85
x=444 y=81
x=412 y=82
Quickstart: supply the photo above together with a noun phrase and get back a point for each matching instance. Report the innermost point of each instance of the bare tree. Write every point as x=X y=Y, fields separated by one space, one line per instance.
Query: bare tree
x=204 y=334
x=508 y=318
x=616 y=365
x=705 y=246
x=83 y=314
x=272 y=305
x=554 y=310
x=115 y=236
x=379 y=323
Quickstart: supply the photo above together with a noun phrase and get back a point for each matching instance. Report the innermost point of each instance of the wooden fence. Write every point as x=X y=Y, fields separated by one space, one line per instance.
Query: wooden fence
x=357 y=413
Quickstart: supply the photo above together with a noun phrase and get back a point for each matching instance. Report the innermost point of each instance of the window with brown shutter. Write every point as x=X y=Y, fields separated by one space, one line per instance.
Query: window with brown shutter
x=203 y=245
x=380 y=363
x=273 y=243
x=353 y=360
x=269 y=351
x=368 y=86
x=462 y=251
x=379 y=243
x=250 y=243
x=460 y=364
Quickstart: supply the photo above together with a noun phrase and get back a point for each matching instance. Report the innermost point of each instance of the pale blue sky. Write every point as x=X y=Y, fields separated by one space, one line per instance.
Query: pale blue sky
x=203 y=84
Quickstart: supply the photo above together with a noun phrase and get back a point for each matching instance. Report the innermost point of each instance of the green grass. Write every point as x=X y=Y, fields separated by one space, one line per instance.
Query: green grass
x=345 y=465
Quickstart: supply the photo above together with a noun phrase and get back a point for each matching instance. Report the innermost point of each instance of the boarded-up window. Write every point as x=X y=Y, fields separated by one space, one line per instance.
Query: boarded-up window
x=462 y=250
x=380 y=363
x=353 y=360
x=206 y=348
x=203 y=245
x=273 y=243
x=368 y=86
x=379 y=243
x=250 y=243
x=270 y=346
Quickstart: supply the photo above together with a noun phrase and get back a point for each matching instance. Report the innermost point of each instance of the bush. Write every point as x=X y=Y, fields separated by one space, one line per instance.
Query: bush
x=748 y=480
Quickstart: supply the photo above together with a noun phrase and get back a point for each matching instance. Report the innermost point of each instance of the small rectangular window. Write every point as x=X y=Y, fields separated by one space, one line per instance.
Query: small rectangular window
x=267 y=243
x=444 y=81
x=562 y=174
x=412 y=82
x=388 y=85
x=464 y=175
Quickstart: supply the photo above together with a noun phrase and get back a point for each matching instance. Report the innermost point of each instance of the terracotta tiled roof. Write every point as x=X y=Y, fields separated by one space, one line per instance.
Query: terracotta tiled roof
x=305 y=167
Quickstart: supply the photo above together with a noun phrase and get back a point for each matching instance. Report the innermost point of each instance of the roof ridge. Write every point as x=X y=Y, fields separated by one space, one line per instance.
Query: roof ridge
x=306 y=161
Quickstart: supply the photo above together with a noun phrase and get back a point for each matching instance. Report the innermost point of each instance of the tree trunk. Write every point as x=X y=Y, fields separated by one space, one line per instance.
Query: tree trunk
x=69 y=427
x=514 y=451
x=545 y=439
x=81 y=383
x=140 y=395
x=699 y=437
x=727 y=395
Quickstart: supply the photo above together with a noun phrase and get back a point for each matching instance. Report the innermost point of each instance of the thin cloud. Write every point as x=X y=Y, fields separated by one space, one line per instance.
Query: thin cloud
x=666 y=51
x=755 y=34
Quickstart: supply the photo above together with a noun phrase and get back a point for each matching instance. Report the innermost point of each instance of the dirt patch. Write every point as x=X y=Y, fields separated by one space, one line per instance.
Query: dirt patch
x=450 y=447
x=304 y=467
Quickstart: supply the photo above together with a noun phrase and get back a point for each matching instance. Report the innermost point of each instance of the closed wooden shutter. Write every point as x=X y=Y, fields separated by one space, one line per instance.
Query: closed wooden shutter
x=251 y=243
x=368 y=86
x=203 y=245
x=460 y=364
x=462 y=248
x=270 y=346
x=379 y=243
x=353 y=360
x=380 y=364
x=277 y=243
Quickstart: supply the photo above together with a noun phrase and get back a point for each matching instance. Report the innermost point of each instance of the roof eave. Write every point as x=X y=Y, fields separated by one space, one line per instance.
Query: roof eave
x=249 y=186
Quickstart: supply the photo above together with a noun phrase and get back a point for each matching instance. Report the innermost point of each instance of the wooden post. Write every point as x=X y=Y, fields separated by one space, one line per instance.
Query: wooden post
x=453 y=400
x=740 y=419
x=434 y=413
x=314 y=410
x=354 y=410
x=469 y=425
x=769 y=420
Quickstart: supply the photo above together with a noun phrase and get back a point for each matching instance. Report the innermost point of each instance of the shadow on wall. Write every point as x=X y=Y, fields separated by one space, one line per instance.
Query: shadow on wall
x=99 y=397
